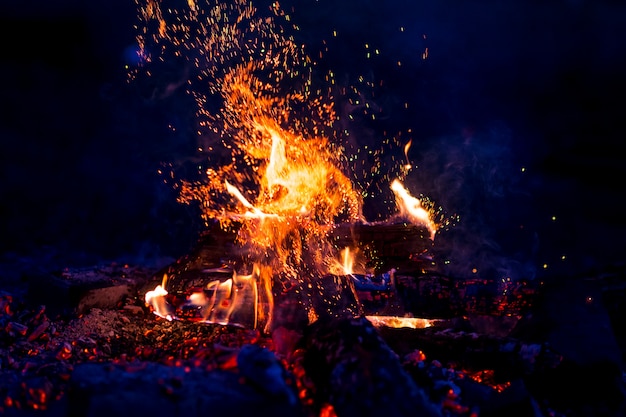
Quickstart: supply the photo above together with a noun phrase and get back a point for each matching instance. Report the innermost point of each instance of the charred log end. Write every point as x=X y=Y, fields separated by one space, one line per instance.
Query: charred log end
x=326 y=298
x=334 y=296
x=386 y=245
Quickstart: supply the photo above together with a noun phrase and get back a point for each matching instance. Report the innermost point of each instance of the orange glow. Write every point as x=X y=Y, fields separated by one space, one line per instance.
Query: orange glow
x=486 y=377
x=399 y=322
x=328 y=411
x=350 y=261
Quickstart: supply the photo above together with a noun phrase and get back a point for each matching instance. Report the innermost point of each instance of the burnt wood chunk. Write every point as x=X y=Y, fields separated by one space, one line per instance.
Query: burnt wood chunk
x=386 y=245
x=78 y=290
x=354 y=370
x=150 y=389
x=323 y=298
x=212 y=257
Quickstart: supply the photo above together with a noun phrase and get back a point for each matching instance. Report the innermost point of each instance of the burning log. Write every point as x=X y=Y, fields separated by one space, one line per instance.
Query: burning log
x=325 y=298
x=217 y=259
x=387 y=246
x=215 y=252
x=401 y=246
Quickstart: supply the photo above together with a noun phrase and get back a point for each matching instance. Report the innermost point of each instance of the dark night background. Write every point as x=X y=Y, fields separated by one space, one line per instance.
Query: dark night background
x=506 y=86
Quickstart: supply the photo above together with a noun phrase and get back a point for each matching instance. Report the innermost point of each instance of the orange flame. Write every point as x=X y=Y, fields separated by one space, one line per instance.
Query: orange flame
x=156 y=299
x=301 y=193
x=348 y=261
x=407 y=166
x=411 y=207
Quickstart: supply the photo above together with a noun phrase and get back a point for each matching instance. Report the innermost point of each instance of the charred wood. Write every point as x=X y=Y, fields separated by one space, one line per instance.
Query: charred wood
x=78 y=290
x=386 y=245
x=172 y=391
x=355 y=371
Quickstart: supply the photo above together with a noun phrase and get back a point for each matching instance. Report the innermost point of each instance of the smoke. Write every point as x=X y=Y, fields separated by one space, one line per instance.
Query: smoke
x=409 y=73
x=476 y=180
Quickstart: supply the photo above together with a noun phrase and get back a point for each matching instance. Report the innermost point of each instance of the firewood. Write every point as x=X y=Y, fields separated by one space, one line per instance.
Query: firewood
x=354 y=370
x=386 y=245
x=78 y=290
x=98 y=389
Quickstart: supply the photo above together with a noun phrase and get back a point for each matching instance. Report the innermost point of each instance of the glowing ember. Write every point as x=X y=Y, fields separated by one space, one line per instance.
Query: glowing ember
x=487 y=377
x=398 y=322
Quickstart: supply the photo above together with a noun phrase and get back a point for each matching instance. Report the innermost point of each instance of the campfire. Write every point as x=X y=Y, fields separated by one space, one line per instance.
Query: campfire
x=291 y=302
x=283 y=189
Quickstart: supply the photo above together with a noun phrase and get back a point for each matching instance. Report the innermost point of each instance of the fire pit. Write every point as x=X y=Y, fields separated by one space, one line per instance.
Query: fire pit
x=103 y=350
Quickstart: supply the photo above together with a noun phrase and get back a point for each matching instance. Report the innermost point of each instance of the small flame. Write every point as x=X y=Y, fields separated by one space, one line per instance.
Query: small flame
x=348 y=261
x=156 y=299
x=407 y=166
x=411 y=207
x=235 y=295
